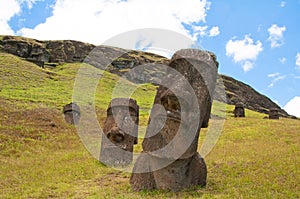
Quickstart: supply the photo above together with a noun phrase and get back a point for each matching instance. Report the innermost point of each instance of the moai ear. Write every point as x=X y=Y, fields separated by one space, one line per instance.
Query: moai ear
x=207 y=114
x=206 y=117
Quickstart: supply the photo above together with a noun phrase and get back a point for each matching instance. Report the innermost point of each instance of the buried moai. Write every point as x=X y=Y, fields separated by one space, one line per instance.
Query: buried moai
x=239 y=110
x=120 y=132
x=72 y=113
x=273 y=113
x=182 y=106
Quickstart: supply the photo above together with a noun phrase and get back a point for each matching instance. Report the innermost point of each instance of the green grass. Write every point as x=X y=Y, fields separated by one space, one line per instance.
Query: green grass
x=42 y=157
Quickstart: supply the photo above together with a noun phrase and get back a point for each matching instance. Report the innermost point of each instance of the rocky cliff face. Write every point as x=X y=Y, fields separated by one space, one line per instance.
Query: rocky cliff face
x=237 y=91
x=60 y=51
x=46 y=51
x=56 y=52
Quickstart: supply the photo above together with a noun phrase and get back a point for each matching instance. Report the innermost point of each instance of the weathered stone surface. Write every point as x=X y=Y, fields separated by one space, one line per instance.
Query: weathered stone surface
x=273 y=113
x=237 y=91
x=181 y=107
x=181 y=174
x=176 y=176
x=143 y=178
x=24 y=47
x=72 y=113
x=46 y=51
x=239 y=110
x=120 y=132
x=69 y=51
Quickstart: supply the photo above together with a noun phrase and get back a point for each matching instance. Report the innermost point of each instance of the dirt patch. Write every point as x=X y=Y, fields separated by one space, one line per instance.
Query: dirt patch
x=22 y=127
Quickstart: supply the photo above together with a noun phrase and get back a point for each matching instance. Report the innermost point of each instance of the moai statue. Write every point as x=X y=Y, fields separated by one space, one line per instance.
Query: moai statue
x=72 y=113
x=121 y=132
x=273 y=113
x=239 y=110
x=170 y=160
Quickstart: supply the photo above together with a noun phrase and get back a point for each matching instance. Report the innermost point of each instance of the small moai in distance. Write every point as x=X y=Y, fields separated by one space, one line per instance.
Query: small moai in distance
x=273 y=113
x=239 y=110
x=172 y=126
x=120 y=132
x=71 y=113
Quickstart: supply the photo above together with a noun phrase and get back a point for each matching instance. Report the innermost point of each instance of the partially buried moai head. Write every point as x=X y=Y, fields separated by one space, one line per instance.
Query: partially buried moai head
x=273 y=113
x=71 y=113
x=239 y=110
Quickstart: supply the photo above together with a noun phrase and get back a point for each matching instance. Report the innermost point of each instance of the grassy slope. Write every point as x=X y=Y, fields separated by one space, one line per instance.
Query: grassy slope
x=41 y=156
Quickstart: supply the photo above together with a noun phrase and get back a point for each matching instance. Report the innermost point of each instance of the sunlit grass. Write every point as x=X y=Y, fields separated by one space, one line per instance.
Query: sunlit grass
x=43 y=157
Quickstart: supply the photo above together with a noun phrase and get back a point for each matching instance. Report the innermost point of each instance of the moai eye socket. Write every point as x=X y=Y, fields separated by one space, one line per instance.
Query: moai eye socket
x=109 y=112
x=115 y=137
x=170 y=103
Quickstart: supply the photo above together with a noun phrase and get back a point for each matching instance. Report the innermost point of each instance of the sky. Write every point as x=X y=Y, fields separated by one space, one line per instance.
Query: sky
x=256 y=42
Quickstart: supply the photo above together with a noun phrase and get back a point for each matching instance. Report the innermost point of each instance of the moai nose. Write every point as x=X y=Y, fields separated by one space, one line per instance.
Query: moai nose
x=115 y=135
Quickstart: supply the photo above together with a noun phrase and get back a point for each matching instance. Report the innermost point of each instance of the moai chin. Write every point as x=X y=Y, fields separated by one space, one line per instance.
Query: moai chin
x=169 y=159
x=72 y=113
x=273 y=113
x=120 y=132
x=239 y=110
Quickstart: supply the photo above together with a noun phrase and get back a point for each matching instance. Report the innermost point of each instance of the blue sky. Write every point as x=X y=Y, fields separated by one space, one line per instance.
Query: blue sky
x=256 y=41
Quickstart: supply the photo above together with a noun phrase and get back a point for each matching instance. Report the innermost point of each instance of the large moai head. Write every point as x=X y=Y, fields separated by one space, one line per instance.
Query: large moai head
x=120 y=132
x=239 y=110
x=181 y=108
x=185 y=104
x=71 y=113
x=273 y=113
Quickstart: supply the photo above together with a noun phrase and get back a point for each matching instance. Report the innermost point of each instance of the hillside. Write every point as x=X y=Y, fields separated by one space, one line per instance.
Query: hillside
x=41 y=156
x=54 y=53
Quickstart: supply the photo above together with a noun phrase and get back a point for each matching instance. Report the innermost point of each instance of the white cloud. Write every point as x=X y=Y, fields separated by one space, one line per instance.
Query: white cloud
x=298 y=60
x=293 y=106
x=276 y=35
x=273 y=75
x=199 y=31
x=247 y=66
x=244 y=51
x=5 y=29
x=29 y=2
x=203 y=31
x=214 y=31
x=282 y=60
x=99 y=20
x=10 y=8
x=275 y=78
x=282 y=4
